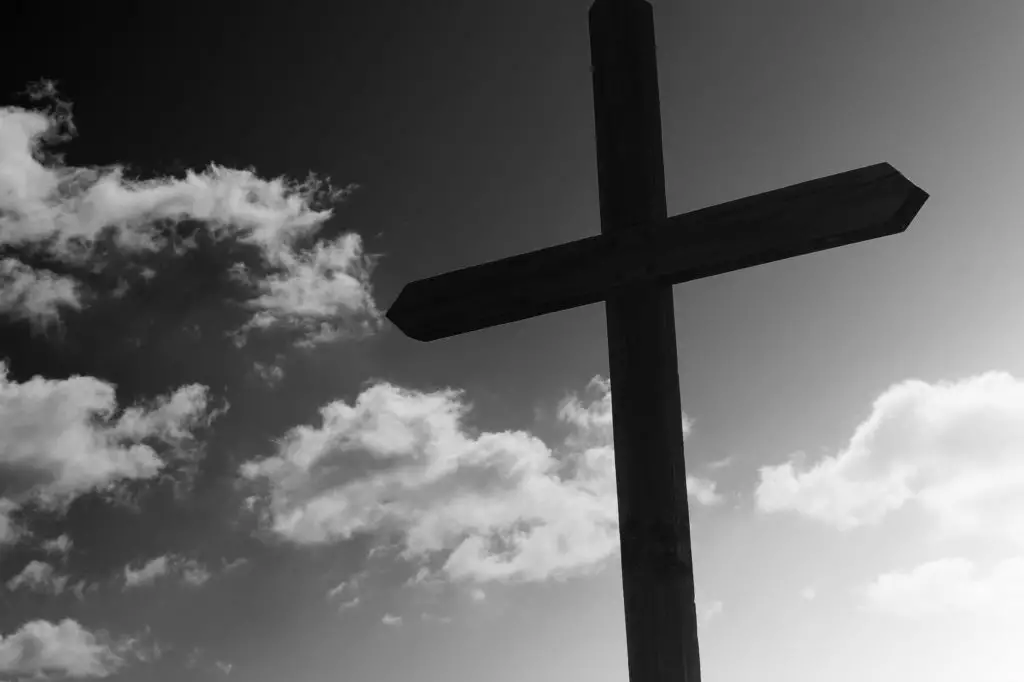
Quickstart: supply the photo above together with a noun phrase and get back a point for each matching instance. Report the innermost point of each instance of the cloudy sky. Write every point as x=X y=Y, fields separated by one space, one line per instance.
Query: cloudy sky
x=219 y=461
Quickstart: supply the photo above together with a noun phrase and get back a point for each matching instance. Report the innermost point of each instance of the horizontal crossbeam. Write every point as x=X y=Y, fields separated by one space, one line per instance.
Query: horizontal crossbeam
x=858 y=205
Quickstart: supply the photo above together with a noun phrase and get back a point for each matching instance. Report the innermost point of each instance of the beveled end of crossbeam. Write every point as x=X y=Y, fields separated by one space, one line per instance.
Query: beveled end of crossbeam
x=916 y=197
x=403 y=315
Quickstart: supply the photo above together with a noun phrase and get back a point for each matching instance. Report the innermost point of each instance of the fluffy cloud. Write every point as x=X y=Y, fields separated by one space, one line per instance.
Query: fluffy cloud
x=325 y=291
x=39 y=576
x=190 y=571
x=42 y=649
x=702 y=490
x=388 y=619
x=194 y=573
x=269 y=373
x=955 y=449
x=59 y=545
x=951 y=586
x=34 y=294
x=61 y=438
x=66 y=211
x=147 y=573
x=500 y=505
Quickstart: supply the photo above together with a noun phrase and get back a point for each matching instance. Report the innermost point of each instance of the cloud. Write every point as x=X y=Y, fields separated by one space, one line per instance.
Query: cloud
x=950 y=586
x=702 y=490
x=348 y=590
x=42 y=649
x=35 y=294
x=39 y=576
x=706 y=612
x=341 y=588
x=147 y=573
x=270 y=374
x=61 y=545
x=720 y=463
x=323 y=292
x=954 y=449
x=194 y=573
x=189 y=570
x=197 y=659
x=808 y=593
x=61 y=437
x=499 y=505
x=81 y=587
x=388 y=619
x=348 y=604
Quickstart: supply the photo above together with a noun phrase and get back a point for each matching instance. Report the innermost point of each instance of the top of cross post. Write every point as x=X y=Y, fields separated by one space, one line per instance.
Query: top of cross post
x=618 y=4
x=615 y=10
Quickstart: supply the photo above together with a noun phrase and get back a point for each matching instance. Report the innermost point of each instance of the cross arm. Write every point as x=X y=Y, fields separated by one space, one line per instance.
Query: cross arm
x=858 y=205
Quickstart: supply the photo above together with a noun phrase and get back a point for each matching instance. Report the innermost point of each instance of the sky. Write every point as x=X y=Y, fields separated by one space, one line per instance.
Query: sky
x=218 y=460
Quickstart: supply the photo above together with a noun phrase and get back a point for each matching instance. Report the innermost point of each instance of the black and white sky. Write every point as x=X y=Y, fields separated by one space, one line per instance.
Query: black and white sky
x=218 y=460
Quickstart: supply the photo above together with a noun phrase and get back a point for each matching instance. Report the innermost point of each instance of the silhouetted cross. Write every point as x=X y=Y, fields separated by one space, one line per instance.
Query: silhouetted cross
x=632 y=266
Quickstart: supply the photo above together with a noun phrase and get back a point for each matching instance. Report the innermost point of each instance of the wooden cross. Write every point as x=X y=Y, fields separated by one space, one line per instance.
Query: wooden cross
x=631 y=266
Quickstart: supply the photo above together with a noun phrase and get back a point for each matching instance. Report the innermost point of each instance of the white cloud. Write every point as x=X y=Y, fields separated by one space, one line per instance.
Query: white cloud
x=706 y=612
x=951 y=586
x=42 y=649
x=808 y=593
x=194 y=573
x=339 y=589
x=61 y=438
x=147 y=573
x=351 y=603
x=501 y=505
x=388 y=619
x=81 y=587
x=270 y=374
x=325 y=291
x=59 y=545
x=702 y=490
x=66 y=210
x=39 y=576
x=955 y=449
x=197 y=659
x=189 y=570
x=349 y=589
x=35 y=294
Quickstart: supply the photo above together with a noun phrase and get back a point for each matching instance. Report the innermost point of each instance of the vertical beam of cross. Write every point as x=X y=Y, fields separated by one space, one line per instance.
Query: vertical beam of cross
x=657 y=564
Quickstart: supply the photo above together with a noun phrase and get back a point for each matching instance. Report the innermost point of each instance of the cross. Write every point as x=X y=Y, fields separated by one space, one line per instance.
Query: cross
x=631 y=266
